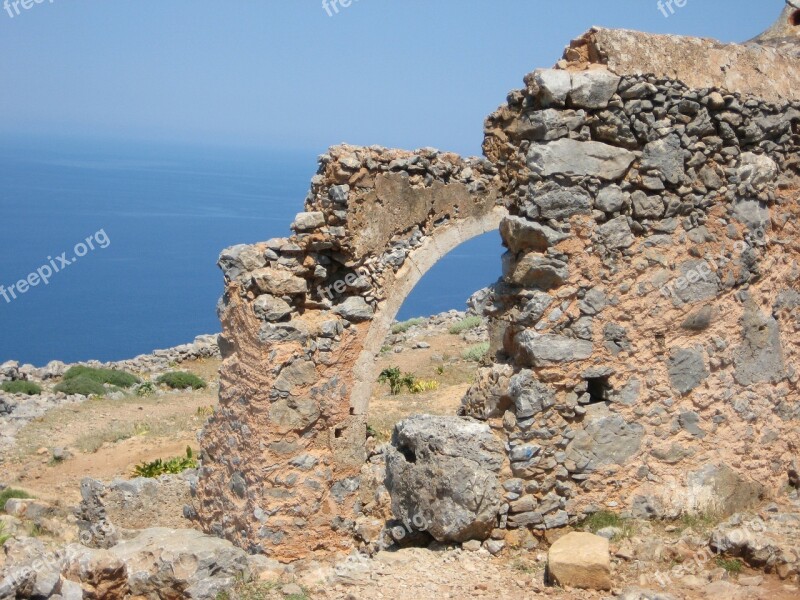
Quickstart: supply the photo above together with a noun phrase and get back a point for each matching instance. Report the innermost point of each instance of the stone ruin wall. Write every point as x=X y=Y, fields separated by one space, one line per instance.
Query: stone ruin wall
x=644 y=333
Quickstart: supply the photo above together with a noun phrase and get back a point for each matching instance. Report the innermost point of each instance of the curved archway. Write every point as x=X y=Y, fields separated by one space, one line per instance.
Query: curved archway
x=415 y=268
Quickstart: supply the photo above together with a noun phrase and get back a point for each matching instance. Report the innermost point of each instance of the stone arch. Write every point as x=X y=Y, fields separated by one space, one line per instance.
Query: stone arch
x=644 y=318
x=413 y=270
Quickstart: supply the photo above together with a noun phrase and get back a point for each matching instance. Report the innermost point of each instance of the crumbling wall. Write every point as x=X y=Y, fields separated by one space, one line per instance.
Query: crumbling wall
x=644 y=333
x=646 y=326
x=303 y=319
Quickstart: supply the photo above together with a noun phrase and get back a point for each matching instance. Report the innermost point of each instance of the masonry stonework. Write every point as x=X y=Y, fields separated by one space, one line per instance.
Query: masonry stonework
x=645 y=333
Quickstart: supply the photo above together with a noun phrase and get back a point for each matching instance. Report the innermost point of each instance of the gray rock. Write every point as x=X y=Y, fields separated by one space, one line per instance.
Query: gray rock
x=752 y=213
x=579 y=159
x=756 y=171
x=559 y=203
x=700 y=319
x=535 y=307
x=646 y=507
x=696 y=282
x=299 y=373
x=604 y=441
x=534 y=270
x=647 y=207
x=308 y=221
x=183 y=561
x=593 y=89
x=610 y=199
x=441 y=473
x=593 y=302
x=554 y=86
x=339 y=194
x=629 y=394
x=723 y=490
x=521 y=234
x=616 y=234
x=530 y=396
x=270 y=308
x=355 y=309
x=760 y=358
x=665 y=156
x=690 y=420
x=687 y=369
x=279 y=282
x=540 y=350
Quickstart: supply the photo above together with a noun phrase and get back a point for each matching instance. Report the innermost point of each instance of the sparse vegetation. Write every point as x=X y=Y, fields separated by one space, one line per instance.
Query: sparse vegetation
x=4 y=537
x=476 y=353
x=181 y=380
x=424 y=385
x=406 y=325
x=396 y=379
x=205 y=411
x=466 y=324
x=173 y=466
x=113 y=377
x=81 y=386
x=9 y=493
x=28 y=388
x=700 y=522
x=148 y=388
x=604 y=518
x=733 y=566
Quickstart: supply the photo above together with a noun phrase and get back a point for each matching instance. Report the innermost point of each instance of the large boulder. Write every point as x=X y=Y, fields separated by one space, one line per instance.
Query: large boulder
x=441 y=473
x=580 y=560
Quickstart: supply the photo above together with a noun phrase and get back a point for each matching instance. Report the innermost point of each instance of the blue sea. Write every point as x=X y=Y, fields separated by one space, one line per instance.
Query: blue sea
x=157 y=217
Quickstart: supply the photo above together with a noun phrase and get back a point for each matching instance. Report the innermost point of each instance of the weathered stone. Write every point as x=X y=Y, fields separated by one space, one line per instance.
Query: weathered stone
x=279 y=282
x=647 y=207
x=441 y=473
x=687 y=369
x=270 y=308
x=543 y=349
x=554 y=86
x=604 y=441
x=665 y=156
x=579 y=159
x=610 y=199
x=719 y=489
x=593 y=89
x=616 y=233
x=308 y=221
x=355 y=309
x=534 y=270
x=520 y=234
x=580 y=560
x=559 y=203
x=760 y=357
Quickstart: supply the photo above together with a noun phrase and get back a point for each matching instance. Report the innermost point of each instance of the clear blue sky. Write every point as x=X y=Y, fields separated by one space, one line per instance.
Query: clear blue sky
x=278 y=73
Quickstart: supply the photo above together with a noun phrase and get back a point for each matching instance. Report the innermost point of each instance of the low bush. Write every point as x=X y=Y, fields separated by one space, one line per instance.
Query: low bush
x=121 y=379
x=173 y=466
x=476 y=353
x=148 y=388
x=21 y=387
x=180 y=380
x=4 y=537
x=9 y=493
x=81 y=386
x=465 y=325
x=406 y=325
x=424 y=385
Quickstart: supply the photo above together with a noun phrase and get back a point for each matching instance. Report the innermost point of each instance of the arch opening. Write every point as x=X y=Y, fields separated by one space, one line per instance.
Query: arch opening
x=794 y=19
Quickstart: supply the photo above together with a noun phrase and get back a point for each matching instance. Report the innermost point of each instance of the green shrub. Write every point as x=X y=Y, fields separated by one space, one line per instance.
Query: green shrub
x=406 y=325
x=121 y=379
x=465 y=325
x=397 y=380
x=602 y=519
x=4 y=537
x=81 y=386
x=21 y=387
x=173 y=466
x=148 y=388
x=8 y=493
x=475 y=353
x=731 y=565
x=180 y=380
